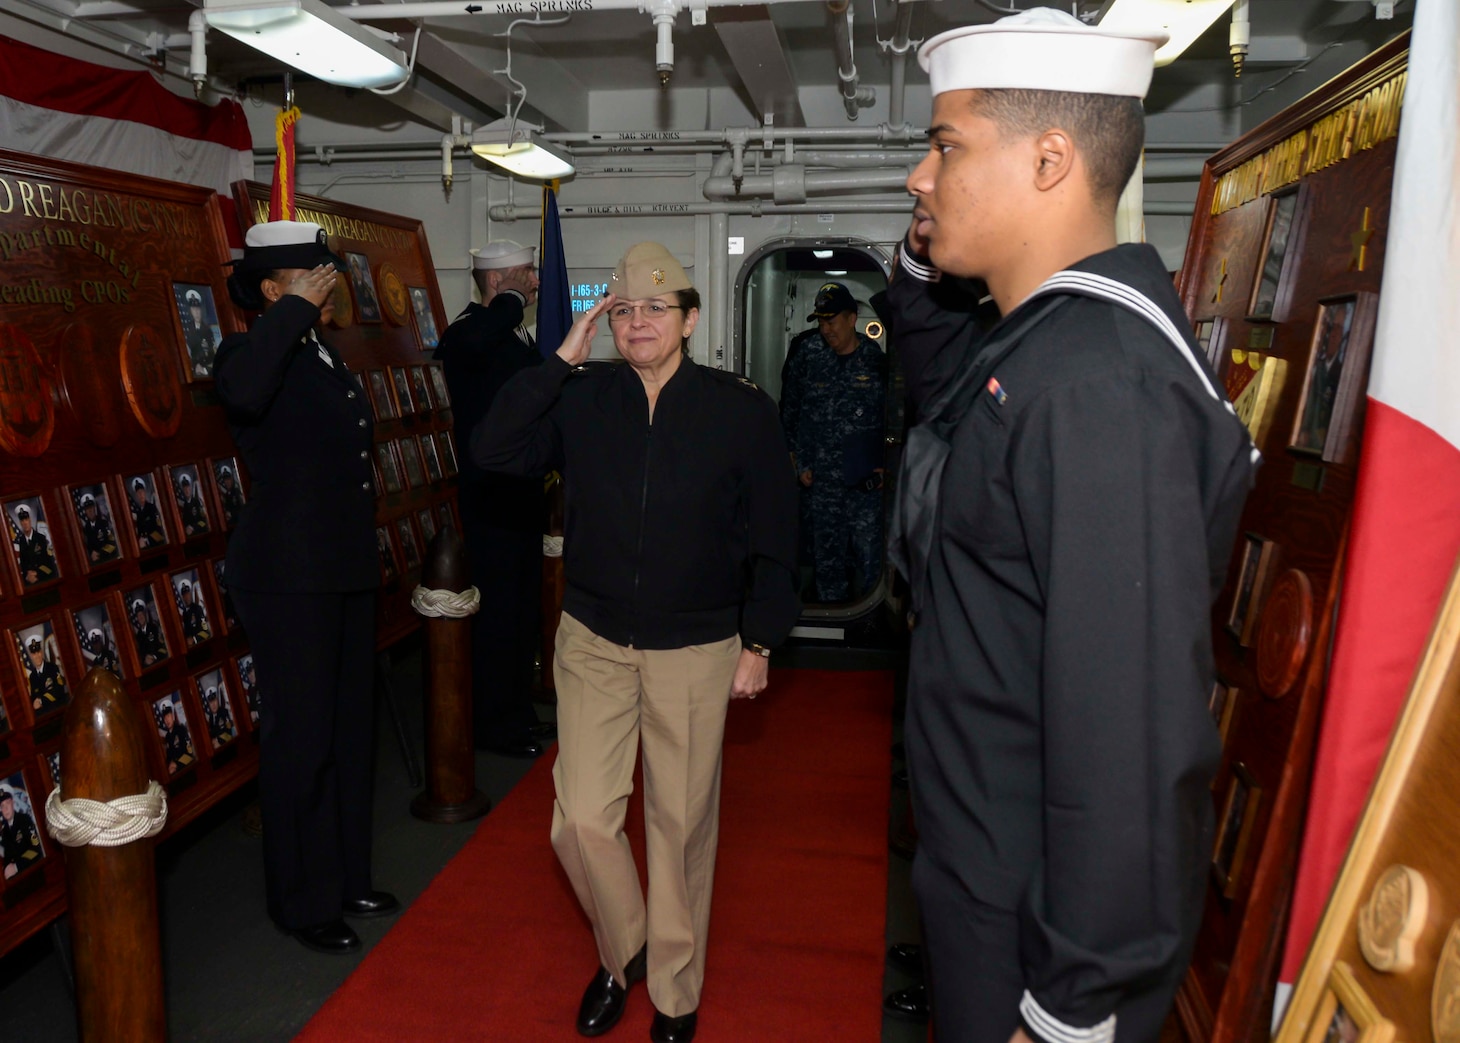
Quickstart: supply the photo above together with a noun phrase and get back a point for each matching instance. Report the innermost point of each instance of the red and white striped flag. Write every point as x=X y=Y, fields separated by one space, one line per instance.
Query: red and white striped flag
x=120 y=119
x=281 y=191
x=1406 y=523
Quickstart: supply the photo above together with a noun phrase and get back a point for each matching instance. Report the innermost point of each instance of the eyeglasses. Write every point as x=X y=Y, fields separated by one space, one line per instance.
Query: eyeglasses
x=651 y=309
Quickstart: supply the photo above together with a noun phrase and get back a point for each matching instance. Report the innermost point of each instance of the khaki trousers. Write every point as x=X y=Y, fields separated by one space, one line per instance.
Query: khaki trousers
x=612 y=699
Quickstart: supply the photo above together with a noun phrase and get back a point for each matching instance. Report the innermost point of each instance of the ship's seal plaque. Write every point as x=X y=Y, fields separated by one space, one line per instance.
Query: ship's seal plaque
x=394 y=300
x=27 y=420
x=1284 y=633
x=1445 y=996
x=1393 y=918
x=343 y=316
x=149 y=376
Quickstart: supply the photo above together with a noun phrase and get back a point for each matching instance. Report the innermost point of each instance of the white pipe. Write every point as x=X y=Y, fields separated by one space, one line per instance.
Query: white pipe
x=880 y=133
x=719 y=282
x=900 y=46
x=793 y=183
x=853 y=97
x=664 y=41
x=449 y=8
x=198 y=52
x=1239 y=36
x=509 y=212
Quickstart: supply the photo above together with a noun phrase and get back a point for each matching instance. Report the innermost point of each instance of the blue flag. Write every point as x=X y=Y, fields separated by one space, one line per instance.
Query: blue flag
x=554 y=305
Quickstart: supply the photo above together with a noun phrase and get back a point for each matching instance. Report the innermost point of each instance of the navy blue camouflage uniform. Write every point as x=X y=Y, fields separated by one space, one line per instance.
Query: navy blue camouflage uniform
x=833 y=408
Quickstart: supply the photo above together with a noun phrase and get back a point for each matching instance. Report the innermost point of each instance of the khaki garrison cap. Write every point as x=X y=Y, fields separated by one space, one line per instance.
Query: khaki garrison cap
x=647 y=270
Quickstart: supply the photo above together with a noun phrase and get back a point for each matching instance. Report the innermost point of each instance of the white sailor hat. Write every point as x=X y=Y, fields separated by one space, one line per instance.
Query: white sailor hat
x=139 y=606
x=95 y=632
x=34 y=644
x=193 y=297
x=139 y=483
x=501 y=253
x=186 y=479
x=1042 y=49
x=22 y=511
x=87 y=500
x=212 y=692
x=185 y=587
x=6 y=793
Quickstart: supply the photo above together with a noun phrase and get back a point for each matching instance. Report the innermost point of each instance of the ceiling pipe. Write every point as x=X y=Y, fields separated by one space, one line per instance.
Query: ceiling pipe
x=756 y=208
x=198 y=51
x=793 y=183
x=880 y=133
x=900 y=46
x=853 y=97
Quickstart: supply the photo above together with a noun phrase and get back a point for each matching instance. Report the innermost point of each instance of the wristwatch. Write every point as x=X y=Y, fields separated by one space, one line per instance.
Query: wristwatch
x=760 y=650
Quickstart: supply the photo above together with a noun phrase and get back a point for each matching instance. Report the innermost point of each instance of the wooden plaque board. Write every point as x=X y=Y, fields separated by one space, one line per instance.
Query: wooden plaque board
x=99 y=390
x=389 y=316
x=1290 y=220
x=1388 y=947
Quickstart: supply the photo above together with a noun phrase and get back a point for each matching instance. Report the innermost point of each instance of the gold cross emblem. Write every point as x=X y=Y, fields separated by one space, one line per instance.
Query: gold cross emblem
x=1221 y=279
x=658 y=275
x=1360 y=243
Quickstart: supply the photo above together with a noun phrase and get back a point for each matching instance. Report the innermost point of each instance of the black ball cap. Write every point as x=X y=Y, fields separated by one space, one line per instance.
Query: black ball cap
x=832 y=299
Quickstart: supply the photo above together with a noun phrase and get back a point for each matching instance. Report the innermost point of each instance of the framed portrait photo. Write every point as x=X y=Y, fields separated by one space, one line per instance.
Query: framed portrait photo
x=23 y=848
x=96 y=528
x=1337 y=378
x=389 y=569
x=227 y=614
x=1222 y=704
x=149 y=526
x=421 y=389
x=1346 y=1014
x=144 y=620
x=1234 y=829
x=410 y=455
x=217 y=710
x=426 y=522
x=96 y=636
x=439 y=390
x=191 y=604
x=362 y=285
x=1252 y=581
x=32 y=542
x=1210 y=334
x=190 y=500
x=41 y=670
x=1277 y=240
x=410 y=547
x=385 y=461
x=447 y=444
x=171 y=718
x=425 y=316
x=248 y=681
x=445 y=514
x=377 y=383
x=401 y=381
x=228 y=485
x=431 y=458
x=197 y=318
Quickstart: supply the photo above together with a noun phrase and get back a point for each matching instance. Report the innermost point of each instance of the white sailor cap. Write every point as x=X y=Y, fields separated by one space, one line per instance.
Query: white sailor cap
x=194 y=297
x=501 y=253
x=95 y=632
x=1042 y=49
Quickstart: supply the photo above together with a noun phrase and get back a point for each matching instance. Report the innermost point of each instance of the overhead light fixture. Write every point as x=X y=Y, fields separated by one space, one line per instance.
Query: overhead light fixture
x=1185 y=20
x=836 y=271
x=518 y=150
x=822 y=255
x=313 y=38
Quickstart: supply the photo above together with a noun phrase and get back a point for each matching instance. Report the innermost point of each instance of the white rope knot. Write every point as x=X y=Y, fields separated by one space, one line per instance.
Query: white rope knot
x=78 y=822
x=552 y=546
x=446 y=604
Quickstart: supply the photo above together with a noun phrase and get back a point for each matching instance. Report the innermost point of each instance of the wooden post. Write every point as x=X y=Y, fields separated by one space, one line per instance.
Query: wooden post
x=451 y=794
x=113 y=890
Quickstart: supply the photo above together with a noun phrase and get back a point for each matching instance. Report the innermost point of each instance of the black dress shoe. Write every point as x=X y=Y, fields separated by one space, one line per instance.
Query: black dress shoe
x=906 y=956
x=377 y=903
x=673 y=1030
x=334 y=938
x=524 y=749
x=603 y=1000
x=547 y=731
x=910 y=1004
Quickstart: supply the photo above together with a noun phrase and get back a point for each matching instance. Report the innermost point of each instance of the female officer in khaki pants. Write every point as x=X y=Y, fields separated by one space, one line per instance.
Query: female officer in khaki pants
x=680 y=556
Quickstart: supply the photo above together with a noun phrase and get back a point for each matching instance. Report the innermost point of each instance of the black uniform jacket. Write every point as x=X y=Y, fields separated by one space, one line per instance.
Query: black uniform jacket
x=1058 y=737
x=479 y=352
x=677 y=533
x=305 y=433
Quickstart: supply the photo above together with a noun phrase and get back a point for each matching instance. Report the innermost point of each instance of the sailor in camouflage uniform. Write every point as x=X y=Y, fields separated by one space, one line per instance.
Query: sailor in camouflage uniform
x=47 y=684
x=96 y=529
x=833 y=405
x=20 y=842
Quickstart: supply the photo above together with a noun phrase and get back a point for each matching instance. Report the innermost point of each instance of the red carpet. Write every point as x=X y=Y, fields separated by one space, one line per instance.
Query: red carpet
x=796 y=936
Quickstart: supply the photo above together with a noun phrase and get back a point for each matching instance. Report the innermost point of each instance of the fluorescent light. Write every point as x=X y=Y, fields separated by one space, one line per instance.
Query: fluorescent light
x=311 y=37
x=518 y=151
x=836 y=271
x=1185 y=20
x=822 y=255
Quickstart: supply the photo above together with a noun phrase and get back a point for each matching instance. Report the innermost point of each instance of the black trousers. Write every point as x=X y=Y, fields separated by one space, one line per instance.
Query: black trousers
x=315 y=659
x=975 y=981
x=506 y=566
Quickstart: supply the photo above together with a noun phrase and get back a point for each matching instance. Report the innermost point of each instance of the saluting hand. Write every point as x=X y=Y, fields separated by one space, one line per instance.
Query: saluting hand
x=578 y=344
x=315 y=285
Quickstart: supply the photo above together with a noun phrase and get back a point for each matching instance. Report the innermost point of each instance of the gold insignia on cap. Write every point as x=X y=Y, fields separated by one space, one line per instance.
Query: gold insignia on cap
x=658 y=276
